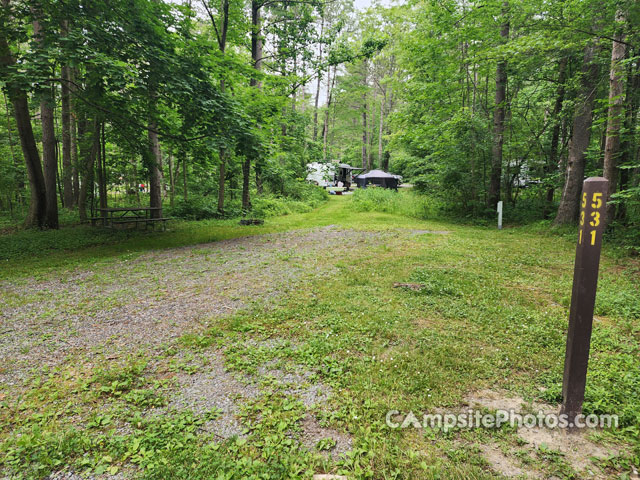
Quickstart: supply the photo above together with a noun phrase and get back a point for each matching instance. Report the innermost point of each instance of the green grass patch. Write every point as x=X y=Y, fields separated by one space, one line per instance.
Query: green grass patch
x=401 y=202
x=491 y=313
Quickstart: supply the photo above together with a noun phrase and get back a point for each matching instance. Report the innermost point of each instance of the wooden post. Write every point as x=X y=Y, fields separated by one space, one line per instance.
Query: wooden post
x=583 y=296
x=500 y=215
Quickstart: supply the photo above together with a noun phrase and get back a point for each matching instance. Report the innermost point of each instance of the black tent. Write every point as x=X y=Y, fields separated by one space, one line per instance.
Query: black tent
x=377 y=177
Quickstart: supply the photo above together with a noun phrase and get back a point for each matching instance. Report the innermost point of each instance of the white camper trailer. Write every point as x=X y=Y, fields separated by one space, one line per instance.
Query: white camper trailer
x=321 y=174
x=330 y=174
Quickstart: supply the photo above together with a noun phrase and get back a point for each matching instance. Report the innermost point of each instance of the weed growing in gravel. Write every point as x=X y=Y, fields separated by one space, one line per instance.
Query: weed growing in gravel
x=491 y=314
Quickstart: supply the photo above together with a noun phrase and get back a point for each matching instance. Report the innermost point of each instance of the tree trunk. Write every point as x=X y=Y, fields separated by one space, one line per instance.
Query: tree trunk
x=221 y=180
x=499 y=116
x=616 y=102
x=155 y=173
x=372 y=129
x=315 y=108
x=325 y=127
x=581 y=132
x=172 y=182
x=14 y=161
x=628 y=145
x=185 y=190
x=101 y=181
x=67 y=171
x=256 y=59
x=49 y=159
x=90 y=156
x=222 y=44
x=246 y=176
x=102 y=171
x=365 y=157
x=381 y=130
x=552 y=164
x=18 y=98
x=74 y=141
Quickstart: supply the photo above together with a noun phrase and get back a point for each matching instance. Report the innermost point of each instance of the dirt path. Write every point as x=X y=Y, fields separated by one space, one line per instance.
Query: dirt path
x=129 y=305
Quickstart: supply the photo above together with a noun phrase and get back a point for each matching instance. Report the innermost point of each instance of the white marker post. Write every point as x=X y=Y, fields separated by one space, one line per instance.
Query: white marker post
x=500 y=215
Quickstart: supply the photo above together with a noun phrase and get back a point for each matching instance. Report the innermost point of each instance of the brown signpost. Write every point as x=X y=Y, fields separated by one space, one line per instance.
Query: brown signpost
x=583 y=296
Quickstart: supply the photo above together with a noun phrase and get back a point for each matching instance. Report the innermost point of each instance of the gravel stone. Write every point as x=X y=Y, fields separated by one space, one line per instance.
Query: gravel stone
x=124 y=305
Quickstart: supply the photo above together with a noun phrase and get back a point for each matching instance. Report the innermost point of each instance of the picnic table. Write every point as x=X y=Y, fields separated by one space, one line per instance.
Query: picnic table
x=123 y=216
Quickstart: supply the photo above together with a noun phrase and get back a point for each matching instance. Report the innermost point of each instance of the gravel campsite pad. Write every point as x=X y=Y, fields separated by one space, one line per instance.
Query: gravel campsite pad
x=141 y=306
x=283 y=352
x=156 y=297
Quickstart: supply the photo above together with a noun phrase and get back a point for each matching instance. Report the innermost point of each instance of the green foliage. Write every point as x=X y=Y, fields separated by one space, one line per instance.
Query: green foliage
x=299 y=197
x=385 y=200
x=272 y=206
x=199 y=208
x=294 y=196
x=25 y=243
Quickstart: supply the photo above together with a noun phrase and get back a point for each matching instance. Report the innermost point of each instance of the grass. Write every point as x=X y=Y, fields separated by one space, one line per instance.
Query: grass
x=492 y=314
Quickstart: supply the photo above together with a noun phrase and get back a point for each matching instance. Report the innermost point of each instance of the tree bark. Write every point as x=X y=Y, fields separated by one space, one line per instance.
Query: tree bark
x=90 y=156
x=616 y=102
x=50 y=161
x=102 y=171
x=14 y=161
x=185 y=190
x=315 y=108
x=155 y=173
x=222 y=44
x=19 y=100
x=221 y=179
x=74 y=126
x=372 y=129
x=499 y=116
x=246 y=176
x=325 y=128
x=49 y=158
x=580 y=136
x=67 y=170
x=172 y=183
x=552 y=164
x=256 y=59
x=365 y=157
x=381 y=129
x=628 y=144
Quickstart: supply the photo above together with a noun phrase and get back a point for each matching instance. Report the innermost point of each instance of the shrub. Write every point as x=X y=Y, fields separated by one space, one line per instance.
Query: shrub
x=203 y=208
x=407 y=203
x=272 y=206
x=298 y=197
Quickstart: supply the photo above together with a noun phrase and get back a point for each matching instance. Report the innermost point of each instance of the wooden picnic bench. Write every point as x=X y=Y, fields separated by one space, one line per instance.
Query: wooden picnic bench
x=122 y=216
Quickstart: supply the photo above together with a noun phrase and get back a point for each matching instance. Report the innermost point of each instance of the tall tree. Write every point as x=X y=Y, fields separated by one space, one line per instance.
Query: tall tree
x=318 y=83
x=580 y=136
x=49 y=156
x=615 y=113
x=256 y=63
x=67 y=119
x=155 y=169
x=90 y=148
x=221 y=27
x=67 y=122
x=552 y=163
x=331 y=80
x=499 y=115
x=18 y=98
x=365 y=131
